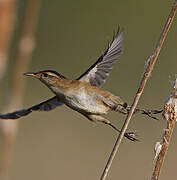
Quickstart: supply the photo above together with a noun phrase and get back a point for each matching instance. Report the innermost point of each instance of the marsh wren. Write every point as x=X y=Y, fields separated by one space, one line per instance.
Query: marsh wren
x=83 y=94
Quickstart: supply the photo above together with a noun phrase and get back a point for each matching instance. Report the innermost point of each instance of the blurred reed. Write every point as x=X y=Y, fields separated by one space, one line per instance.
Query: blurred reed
x=26 y=46
x=7 y=22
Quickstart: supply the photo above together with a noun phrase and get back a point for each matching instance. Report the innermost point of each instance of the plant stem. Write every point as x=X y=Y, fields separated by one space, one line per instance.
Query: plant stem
x=170 y=114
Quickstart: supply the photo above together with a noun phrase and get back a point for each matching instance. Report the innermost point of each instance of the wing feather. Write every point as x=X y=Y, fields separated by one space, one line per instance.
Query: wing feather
x=96 y=75
x=48 y=105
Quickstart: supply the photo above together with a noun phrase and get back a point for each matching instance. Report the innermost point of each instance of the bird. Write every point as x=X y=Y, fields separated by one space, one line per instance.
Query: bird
x=84 y=94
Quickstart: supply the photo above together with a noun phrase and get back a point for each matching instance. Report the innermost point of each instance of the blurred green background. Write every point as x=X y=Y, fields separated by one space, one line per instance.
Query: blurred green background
x=71 y=35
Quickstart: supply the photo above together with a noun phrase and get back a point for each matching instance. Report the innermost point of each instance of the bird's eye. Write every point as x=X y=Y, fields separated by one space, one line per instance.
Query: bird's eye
x=45 y=75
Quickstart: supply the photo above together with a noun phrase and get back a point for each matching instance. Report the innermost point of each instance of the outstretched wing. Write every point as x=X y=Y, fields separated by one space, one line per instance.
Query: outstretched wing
x=48 y=105
x=96 y=75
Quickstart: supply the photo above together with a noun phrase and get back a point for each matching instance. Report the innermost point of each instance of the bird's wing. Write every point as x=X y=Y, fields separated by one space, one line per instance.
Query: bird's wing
x=48 y=105
x=96 y=75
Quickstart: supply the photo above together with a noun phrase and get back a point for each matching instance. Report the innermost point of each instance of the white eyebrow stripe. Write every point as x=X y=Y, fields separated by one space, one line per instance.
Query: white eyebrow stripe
x=52 y=74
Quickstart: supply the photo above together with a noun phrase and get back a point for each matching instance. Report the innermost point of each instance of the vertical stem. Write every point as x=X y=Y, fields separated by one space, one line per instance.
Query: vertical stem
x=170 y=114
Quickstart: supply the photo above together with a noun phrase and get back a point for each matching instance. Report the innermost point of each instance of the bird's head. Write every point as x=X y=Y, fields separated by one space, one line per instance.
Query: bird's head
x=48 y=77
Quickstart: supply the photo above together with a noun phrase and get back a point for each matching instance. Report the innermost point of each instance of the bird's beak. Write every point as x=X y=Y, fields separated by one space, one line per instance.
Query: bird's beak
x=30 y=74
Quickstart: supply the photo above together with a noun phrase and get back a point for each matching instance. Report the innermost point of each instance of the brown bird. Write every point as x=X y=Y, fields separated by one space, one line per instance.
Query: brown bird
x=83 y=94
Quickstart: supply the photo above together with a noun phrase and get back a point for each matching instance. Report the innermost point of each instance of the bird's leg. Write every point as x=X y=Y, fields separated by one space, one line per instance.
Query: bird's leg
x=126 y=108
x=128 y=135
x=149 y=113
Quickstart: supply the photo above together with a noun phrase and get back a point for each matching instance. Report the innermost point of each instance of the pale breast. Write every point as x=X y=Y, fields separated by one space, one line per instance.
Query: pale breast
x=84 y=102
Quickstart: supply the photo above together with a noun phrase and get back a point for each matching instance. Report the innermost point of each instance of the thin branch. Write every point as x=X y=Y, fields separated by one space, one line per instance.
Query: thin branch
x=170 y=114
x=25 y=49
x=148 y=69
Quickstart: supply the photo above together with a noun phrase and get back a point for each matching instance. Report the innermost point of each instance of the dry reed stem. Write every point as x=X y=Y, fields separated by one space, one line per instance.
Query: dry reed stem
x=147 y=72
x=25 y=49
x=7 y=21
x=170 y=114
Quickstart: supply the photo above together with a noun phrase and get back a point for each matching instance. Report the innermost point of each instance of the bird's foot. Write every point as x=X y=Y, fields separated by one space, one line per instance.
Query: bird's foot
x=151 y=113
x=131 y=136
x=125 y=109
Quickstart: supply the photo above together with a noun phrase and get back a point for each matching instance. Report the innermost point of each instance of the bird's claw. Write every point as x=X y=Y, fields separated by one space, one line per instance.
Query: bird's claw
x=157 y=111
x=151 y=112
x=131 y=136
